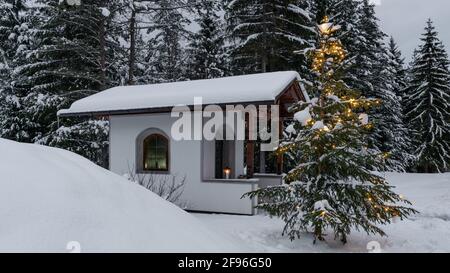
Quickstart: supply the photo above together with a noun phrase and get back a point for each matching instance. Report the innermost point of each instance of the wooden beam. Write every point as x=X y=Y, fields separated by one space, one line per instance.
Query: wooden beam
x=262 y=161
x=293 y=90
x=249 y=150
x=250 y=158
x=280 y=157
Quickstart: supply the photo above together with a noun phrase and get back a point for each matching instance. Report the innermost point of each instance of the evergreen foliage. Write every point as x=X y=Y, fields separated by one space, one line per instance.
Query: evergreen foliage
x=206 y=50
x=71 y=56
x=166 y=59
x=15 y=37
x=55 y=52
x=393 y=136
x=332 y=186
x=427 y=99
x=264 y=33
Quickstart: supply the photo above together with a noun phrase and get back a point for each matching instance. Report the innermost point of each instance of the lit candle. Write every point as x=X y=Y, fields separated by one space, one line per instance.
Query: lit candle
x=227 y=172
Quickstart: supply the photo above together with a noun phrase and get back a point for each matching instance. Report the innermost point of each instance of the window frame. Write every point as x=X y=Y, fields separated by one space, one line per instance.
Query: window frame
x=141 y=151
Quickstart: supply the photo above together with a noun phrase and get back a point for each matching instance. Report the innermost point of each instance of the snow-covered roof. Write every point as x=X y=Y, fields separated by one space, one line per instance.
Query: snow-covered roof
x=237 y=89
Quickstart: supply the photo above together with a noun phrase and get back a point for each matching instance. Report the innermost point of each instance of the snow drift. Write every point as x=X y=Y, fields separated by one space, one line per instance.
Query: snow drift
x=428 y=231
x=50 y=197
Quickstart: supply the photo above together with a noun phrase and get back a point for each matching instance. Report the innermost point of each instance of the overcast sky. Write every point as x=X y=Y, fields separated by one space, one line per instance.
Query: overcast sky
x=405 y=20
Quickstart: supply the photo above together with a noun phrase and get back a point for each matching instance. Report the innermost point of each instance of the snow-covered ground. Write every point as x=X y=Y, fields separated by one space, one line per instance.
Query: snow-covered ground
x=51 y=200
x=428 y=231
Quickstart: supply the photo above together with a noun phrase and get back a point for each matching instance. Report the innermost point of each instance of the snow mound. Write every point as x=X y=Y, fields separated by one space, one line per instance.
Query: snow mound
x=52 y=200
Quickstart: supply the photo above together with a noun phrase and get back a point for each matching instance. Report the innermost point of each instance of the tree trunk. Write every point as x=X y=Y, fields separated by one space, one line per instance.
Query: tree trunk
x=102 y=34
x=264 y=64
x=132 y=56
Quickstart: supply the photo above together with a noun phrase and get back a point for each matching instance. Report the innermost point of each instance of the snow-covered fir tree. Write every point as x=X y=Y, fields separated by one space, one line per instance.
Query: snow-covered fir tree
x=16 y=30
x=370 y=51
x=12 y=22
x=396 y=139
x=332 y=186
x=391 y=134
x=264 y=33
x=372 y=75
x=319 y=9
x=166 y=58
x=73 y=56
x=427 y=100
x=206 y=50
x=135 y=16
x=344 y=13
x=362 y=37
x=367 y=70
x=397 y=64
x=94 y=68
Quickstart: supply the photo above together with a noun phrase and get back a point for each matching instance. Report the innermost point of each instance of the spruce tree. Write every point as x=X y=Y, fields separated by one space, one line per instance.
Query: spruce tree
x=17 y=22
x=368 y=70
x=390 y=135
x=427 y=99
x=12 y=24
x=135 y=16
x=92 y=36
x=166 y=60
x=320 y=9
x=372 y=75
x=362 y=37
x=206 y=49
x=397 y=66
x=73 y=56
x=332 y=185
x=344 y=13
x=370 y=52
x=264 y=33
x=394 y=133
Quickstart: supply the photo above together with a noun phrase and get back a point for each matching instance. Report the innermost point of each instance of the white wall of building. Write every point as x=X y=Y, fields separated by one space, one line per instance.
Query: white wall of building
x=185 y=160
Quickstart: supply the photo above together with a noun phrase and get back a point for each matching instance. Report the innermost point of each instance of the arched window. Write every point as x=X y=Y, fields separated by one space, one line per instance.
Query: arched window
x=153 y=151
x=156 y=153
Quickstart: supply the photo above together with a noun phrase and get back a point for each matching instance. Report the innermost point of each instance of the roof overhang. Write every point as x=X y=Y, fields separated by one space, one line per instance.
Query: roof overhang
x=155 y=110
x=293 y=89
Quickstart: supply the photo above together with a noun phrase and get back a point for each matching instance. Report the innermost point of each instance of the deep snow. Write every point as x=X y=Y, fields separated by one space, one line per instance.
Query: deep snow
x=50 y=197
x=428 y=231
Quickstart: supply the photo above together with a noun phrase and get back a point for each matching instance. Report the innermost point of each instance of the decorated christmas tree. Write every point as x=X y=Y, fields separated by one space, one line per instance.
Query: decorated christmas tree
x=333 y=186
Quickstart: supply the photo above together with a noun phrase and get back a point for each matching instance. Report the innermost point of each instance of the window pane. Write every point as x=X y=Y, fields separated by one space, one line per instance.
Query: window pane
x=155 y=153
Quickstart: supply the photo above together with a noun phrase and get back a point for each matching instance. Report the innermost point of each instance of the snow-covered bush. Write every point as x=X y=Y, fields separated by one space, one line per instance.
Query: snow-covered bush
x=168 y=187
x=88 y=139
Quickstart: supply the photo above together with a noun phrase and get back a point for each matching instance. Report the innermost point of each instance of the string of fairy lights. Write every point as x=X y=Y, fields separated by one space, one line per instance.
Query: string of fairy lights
x=329 y=47
x=331 y=52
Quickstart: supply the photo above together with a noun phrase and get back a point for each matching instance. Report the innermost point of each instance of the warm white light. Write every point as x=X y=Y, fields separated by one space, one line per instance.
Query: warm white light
x=227 y=172
x=325 y=28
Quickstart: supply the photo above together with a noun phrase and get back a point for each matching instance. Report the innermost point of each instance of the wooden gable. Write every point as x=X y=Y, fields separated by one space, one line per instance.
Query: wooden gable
x=291 y=95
